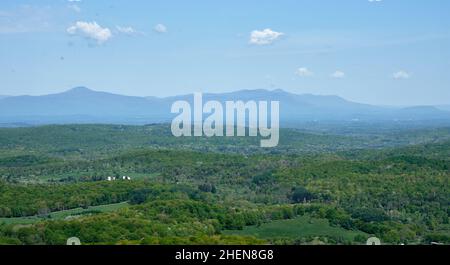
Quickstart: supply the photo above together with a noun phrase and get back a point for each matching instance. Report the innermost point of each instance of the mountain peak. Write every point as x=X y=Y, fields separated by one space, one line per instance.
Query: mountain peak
x=279 y=90
x=80 y=89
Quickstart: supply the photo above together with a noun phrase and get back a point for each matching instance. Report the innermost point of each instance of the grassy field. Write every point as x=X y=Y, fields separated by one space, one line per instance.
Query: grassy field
x=65 y=214
x=299 y=227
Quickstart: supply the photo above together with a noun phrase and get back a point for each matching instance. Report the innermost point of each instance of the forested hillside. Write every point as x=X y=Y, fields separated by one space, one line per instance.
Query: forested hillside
x=315 y=188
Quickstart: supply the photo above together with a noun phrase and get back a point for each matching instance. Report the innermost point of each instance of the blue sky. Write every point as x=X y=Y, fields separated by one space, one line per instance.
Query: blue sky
x=390 y=52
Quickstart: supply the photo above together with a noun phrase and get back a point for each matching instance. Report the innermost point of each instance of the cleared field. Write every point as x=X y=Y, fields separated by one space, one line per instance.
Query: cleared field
x=299 y=227
x=65 y=214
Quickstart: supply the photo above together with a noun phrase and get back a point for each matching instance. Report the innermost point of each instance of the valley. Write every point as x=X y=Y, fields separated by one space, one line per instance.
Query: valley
x=316 y=187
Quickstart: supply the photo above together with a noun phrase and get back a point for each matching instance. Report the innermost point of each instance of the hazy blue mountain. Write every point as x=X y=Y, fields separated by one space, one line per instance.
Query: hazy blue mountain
x=3 y=96
x=79 y=104
x=82 y=105
x=308 y=107
x=444 y=107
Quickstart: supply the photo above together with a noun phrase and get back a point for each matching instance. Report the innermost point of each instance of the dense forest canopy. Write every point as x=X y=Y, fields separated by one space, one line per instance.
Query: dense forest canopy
x=314 y=188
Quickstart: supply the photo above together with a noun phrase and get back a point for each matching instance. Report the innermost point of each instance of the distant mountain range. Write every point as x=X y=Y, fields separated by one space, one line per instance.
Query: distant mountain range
x=82 y=105
x=444 y=107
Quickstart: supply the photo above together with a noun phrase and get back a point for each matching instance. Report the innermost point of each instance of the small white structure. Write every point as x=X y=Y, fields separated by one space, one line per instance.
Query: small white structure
x=114 y=178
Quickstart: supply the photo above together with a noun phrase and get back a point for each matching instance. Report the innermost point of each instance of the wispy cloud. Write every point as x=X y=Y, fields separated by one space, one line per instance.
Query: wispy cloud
x=90 y=30
x=160 y=28
x=338 y=74
x=75 y=8
x=401 y=75
x=25 y=18
x=264 y=37
x=303 y=72
x=128 y=30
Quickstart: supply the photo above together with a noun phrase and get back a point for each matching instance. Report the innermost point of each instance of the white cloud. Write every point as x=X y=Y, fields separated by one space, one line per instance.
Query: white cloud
x=126 y=30
x=264 y=37
x=303 y=72
x=90 y=30
x=401 y=75
x=75 y=8
x=160 y=28
x=338 y=74
x=374 y=1
x=74 y=1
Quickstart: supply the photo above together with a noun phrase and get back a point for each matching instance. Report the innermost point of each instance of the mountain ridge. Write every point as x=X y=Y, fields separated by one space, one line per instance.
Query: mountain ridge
x=81 y=104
